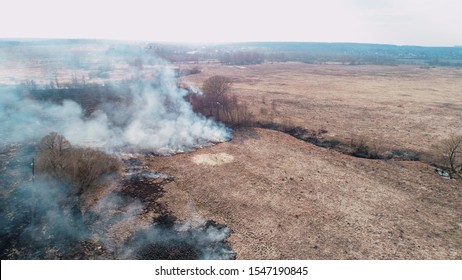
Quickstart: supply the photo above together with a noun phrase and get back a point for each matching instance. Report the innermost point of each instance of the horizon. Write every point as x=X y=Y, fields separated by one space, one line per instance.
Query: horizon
x=184 y=43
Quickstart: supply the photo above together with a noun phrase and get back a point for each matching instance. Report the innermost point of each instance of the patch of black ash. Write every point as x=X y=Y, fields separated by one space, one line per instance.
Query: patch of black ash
x=171 y=241
x=144 y=185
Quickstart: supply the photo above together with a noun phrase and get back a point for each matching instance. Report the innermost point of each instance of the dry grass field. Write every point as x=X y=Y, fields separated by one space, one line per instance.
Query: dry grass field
x=288 y=199
x=398 y=106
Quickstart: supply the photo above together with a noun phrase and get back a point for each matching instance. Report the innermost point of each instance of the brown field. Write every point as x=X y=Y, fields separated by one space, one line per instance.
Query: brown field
x=288 y=199
x=402 y=106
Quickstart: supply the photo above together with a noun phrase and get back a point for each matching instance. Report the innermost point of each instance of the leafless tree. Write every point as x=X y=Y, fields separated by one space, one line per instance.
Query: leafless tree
x=451 y=152
x=86 y=166
x=218 y=103
x=215 y=89
x=52 y=153
x=81 y=167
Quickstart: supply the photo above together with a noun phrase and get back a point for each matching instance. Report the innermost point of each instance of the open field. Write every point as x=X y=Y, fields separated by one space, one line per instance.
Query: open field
x=288 y=199
x=399 y=106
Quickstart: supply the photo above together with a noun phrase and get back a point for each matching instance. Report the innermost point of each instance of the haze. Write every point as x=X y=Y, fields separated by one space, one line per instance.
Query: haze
x=401 y=22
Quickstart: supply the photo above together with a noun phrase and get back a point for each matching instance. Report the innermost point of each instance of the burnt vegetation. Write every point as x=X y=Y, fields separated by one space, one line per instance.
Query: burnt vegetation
x=88 y=95
x=165 y=239
x=203 y=242
x=44 y=218
x=42 y=211
x=357 y=146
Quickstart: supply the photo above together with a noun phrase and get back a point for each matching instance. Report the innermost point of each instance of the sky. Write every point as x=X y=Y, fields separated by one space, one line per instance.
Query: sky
x=399 y=22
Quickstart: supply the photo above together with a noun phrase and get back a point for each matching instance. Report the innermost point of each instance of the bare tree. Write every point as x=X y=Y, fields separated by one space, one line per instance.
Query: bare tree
x=87 y=166
x=451 y=152
x=215 y=89
x=218 y=103
x=54 y=142
x=80 y=167
x=51 y=154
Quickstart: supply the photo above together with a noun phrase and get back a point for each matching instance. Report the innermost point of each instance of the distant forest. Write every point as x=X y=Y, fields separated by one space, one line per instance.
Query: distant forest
x=316 y=53
x=259 y=52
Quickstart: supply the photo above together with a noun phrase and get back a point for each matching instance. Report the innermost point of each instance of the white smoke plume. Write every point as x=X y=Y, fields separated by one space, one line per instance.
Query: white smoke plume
x=154 y=116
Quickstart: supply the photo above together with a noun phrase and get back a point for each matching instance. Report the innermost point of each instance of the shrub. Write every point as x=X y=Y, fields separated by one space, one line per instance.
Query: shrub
x=450 y=156
x=359 y=147
x=375 y=149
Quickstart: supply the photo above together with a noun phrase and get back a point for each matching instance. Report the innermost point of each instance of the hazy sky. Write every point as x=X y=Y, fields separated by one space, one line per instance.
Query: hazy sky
x=402 y=22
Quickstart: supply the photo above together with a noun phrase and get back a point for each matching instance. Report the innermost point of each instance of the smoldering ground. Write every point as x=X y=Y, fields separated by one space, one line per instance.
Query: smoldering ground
x=44 y=218
x=41 y=219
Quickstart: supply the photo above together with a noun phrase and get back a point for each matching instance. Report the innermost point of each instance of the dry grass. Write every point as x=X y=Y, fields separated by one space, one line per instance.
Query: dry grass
x=288 y=199
x=403 y=106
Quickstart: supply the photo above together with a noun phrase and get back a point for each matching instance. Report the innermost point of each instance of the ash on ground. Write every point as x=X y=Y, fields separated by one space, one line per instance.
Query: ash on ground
x=44 y=220
x=169 y=241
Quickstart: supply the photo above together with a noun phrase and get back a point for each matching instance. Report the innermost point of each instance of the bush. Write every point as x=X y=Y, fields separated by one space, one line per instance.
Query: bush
x=374 y=149
x=359 y=147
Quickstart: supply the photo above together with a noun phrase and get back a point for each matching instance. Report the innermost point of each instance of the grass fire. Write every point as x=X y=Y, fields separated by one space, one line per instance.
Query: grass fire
x=116 y=150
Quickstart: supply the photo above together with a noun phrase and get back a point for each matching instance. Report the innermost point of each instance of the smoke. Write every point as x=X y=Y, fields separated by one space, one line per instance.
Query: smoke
x=151 y=113
x=126 y=234
x=40 y=220
x=126 y=100
x=162 y=120
x=205 y=241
